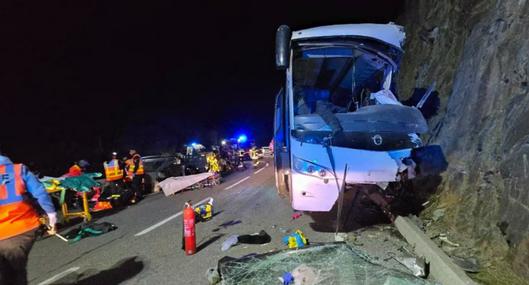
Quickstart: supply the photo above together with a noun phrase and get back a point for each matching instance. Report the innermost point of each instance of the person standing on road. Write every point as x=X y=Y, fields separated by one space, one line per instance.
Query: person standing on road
x=19 y=220
x=113 y=169
x=135 y=174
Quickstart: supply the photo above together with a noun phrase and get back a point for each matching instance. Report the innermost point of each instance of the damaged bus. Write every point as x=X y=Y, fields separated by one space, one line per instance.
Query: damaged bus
x=338 y=121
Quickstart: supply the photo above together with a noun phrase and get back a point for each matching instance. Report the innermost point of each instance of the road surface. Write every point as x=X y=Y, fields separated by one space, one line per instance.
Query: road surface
x=146 y=248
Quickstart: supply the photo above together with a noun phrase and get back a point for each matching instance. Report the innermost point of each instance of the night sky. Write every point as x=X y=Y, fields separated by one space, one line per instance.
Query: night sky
x=80 y=79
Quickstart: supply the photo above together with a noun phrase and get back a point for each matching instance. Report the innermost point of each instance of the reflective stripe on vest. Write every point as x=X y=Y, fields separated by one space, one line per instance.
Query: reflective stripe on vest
x=112 y=171
x=17 y=216
x=130 y=168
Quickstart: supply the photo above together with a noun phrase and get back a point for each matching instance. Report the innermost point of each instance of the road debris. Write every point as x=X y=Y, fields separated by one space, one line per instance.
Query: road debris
x=295 y=240
x=204 y=212
x=334 y=263
x=229 y=242
x=89 y=229
x=287 y=278
x=416 y=265
x=470 y=264
x=444 y=238
x=213 y=276
x=257 y=238
x=296 y=215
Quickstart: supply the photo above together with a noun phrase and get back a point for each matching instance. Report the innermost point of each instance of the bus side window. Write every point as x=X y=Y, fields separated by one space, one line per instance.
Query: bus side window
x=279 y=124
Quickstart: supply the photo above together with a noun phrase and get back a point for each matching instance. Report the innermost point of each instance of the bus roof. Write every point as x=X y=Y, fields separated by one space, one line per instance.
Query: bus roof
x=388 y=33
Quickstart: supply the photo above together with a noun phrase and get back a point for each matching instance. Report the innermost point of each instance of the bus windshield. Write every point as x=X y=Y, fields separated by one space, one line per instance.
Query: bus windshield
x=339 y=77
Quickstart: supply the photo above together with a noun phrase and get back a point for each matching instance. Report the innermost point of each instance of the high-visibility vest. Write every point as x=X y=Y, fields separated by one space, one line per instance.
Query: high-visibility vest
x=112 y=170
x=17 y=216
x=130 y=167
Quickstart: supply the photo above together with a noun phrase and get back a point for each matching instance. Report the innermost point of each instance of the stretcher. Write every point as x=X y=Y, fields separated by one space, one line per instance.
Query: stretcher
x=81 y=184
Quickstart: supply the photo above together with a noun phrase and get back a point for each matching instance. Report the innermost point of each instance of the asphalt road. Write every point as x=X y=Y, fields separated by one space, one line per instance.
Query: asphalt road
x=146 y=248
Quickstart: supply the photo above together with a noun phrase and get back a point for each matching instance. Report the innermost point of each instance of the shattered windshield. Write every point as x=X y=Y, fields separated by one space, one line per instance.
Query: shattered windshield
x=340 y=77
x=320 y=264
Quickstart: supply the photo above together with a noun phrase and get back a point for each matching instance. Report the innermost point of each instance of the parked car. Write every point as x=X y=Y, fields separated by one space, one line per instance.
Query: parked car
x=160 y=167
x=266 y=151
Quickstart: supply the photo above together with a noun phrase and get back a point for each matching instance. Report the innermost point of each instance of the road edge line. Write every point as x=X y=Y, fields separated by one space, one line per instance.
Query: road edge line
x=59 y=275
x=441 y=266
x=259 y=170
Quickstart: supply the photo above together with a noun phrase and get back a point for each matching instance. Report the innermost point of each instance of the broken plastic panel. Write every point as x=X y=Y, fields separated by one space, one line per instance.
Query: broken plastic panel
x=335 y=263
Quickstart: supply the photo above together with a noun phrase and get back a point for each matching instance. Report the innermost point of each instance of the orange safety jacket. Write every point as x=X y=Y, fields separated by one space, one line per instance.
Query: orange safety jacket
x=113 y=171
x=131 y=165
x=17 y=216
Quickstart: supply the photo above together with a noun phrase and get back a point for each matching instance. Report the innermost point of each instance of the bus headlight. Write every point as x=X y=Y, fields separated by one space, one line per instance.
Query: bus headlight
x=310 y=168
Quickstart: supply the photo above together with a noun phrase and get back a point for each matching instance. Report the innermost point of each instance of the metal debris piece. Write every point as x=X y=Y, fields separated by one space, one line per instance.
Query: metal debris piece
x=416 y=265
x=470 y=264
x=445 y=239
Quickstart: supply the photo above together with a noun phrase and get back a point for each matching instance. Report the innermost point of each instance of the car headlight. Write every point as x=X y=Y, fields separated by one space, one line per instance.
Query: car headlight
x=311 y=168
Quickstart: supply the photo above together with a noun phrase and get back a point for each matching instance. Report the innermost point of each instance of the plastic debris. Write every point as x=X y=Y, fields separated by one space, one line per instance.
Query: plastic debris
x=414 y=264
x=287 y=278
x=295 y=240
x=229 y=242
x=296 y=215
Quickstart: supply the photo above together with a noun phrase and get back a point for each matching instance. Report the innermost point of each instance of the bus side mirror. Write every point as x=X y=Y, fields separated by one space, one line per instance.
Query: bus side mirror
x=283 y=36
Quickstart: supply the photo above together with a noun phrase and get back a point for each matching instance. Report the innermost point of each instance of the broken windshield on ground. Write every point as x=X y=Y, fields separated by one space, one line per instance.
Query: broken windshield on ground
x=335 y=263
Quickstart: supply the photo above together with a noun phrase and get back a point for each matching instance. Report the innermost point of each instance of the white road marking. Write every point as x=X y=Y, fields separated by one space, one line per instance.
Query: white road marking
x=160 y=223
x=259 y=170
x=59 y=276
x=237 y=183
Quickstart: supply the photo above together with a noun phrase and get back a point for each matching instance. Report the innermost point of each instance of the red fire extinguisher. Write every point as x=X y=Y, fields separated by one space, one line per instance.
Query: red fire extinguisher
x=189 y=229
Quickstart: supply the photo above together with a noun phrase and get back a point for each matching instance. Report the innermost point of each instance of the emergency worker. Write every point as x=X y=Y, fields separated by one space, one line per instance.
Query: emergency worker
x=113 y=169
x=135 y=174
x=19 y=220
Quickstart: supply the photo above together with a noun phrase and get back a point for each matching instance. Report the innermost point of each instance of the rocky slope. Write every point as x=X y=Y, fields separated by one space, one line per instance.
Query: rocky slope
x=478 y=53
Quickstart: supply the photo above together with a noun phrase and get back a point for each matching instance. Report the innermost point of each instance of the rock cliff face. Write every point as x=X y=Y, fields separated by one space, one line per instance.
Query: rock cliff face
x=478 y=53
